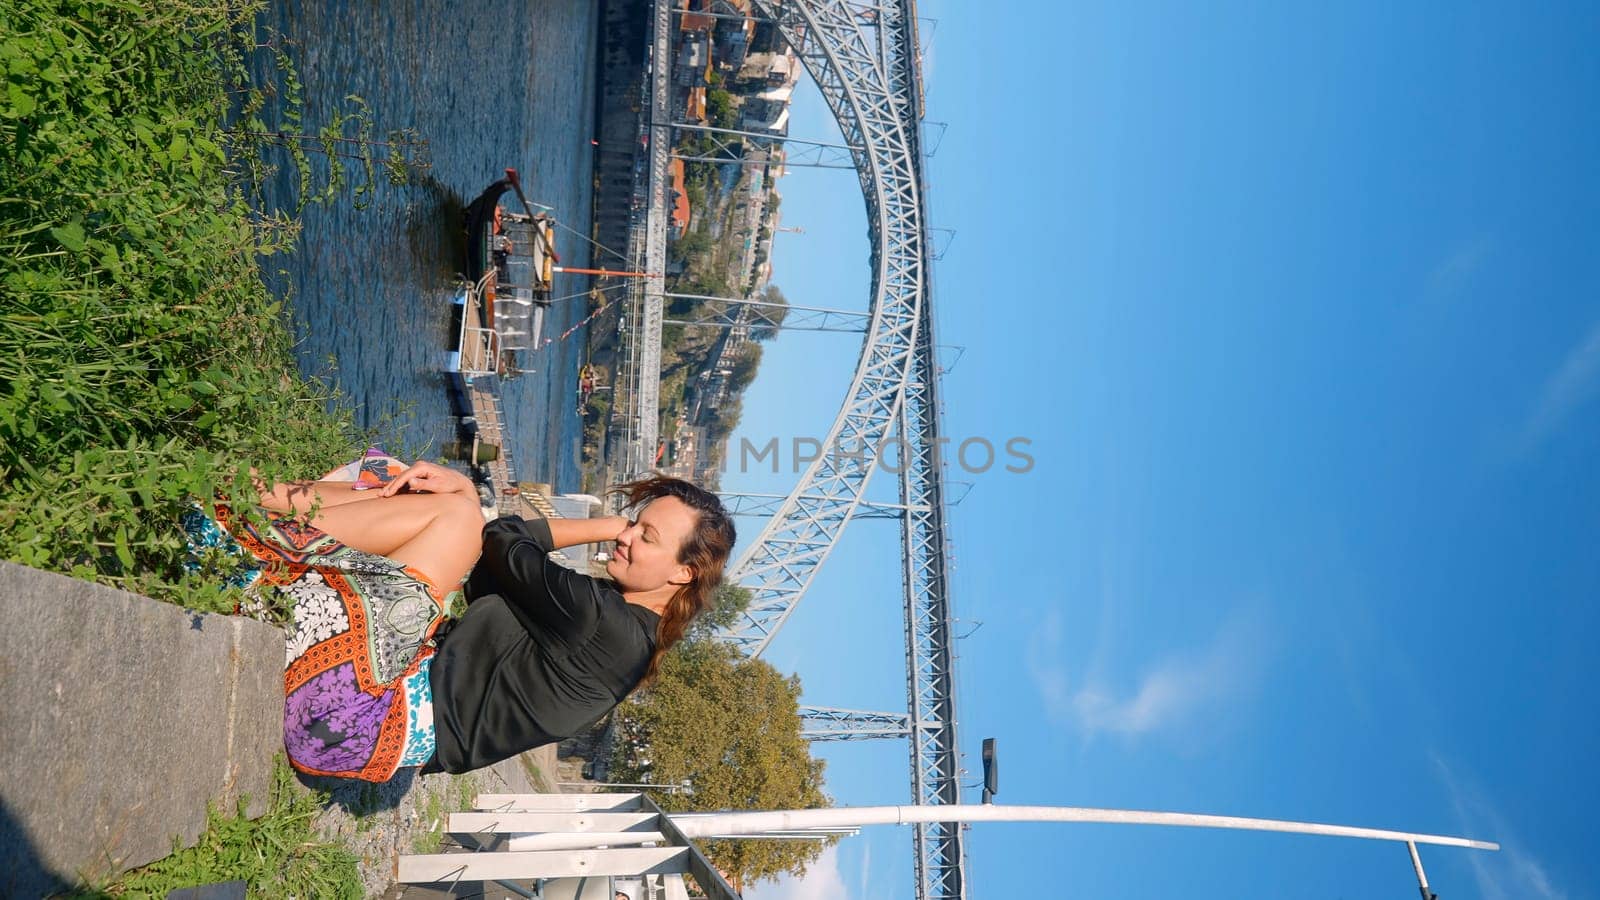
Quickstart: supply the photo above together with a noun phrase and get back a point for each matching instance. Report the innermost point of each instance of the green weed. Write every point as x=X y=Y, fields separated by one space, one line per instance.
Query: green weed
x=432 y=819
x=276 y=855
x=536 y=776
x=434 y=813
x=143 y=362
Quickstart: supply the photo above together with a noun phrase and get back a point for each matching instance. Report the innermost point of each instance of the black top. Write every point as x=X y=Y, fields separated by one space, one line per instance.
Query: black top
x=541 y=653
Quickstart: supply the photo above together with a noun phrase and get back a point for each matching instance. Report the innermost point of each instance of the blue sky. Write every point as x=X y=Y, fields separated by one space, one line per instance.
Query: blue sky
x=1299 y=306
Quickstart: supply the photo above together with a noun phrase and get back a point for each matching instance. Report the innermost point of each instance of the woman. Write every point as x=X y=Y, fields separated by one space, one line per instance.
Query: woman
x=372 y=685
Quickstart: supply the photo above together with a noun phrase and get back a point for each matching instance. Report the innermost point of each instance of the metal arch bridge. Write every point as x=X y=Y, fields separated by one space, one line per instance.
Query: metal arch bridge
x=865 y=59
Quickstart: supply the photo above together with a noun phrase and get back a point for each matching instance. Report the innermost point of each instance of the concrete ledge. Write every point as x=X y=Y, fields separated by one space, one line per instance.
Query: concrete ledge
x=122 y=717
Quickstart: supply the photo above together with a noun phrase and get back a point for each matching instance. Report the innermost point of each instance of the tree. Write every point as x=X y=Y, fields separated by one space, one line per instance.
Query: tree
x=725 y=419
x=671 y=337
x=727 y=604
x=774 y=316
x=695 y=187
x=689 y=246
x=729 y=727
x=721 y=108
x=744 y=367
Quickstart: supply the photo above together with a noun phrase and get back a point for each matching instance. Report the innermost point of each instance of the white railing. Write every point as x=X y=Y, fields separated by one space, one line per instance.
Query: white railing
x=489 y=853
x=480 y=345
x=610 y=835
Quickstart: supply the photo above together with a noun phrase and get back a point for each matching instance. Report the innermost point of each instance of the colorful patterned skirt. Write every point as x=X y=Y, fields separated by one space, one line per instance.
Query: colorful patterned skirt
x=357 y=697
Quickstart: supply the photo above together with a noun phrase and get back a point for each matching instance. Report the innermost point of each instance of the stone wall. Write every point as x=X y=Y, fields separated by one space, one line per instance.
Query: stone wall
x=122 y=718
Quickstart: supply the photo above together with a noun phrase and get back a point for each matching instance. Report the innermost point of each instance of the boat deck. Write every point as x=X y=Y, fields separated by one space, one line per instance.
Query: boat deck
x=480 y=345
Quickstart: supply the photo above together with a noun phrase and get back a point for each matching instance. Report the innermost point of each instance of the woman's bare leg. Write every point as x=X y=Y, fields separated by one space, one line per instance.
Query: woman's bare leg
x=440 y=534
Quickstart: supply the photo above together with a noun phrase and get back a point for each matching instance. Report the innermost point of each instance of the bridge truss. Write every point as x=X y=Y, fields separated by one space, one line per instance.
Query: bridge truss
x=864 y=57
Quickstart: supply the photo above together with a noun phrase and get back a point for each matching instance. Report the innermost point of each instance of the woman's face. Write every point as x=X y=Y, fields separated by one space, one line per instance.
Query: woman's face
x=647 y=550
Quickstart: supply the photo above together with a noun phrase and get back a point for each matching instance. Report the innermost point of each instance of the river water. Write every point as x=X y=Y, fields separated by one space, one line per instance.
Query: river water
x=494 y=84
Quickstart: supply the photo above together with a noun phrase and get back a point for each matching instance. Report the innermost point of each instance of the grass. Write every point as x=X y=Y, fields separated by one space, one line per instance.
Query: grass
x=536 y=775
x=276 y=855
x=143 y=362
x=458 y=796
x=366 y=807
x=432 y=814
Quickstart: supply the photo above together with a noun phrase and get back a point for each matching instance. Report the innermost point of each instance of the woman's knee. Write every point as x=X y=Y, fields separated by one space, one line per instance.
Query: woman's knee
x=467 y=513
x=449 y=546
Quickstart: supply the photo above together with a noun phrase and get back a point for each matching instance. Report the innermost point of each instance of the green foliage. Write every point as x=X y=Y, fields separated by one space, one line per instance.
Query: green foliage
x=142 y=361
x=721 y=422
x=695 y=186
x=693 y=244
x=743 y=370
x=693 y=143
x=596 y=415
x=730 y=728
x=709 y=285
x=671 y=391
x=433 y=820
x=727 y=605
x=402 y=153
x=671 y=335
x=681 y=306
x=721 y=109
x=775 y=315
x=276 y=855
x=731 y=412
x=436 y=807
x=256 y=146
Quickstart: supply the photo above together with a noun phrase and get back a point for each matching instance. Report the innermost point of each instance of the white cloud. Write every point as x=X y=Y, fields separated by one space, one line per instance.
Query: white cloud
x=823 y=881
x=866 y=871
x=1511 y=873
x=1455 y=271
x=1572 y=385
x=1167 y=694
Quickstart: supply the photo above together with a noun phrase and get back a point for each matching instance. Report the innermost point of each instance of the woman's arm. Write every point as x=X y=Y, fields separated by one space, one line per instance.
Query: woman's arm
x=302 y=496
x=432 y=478
x=553 y=601
x=572 y=532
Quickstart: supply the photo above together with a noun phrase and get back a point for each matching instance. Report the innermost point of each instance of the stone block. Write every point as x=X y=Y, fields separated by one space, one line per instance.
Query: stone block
x=123 y=718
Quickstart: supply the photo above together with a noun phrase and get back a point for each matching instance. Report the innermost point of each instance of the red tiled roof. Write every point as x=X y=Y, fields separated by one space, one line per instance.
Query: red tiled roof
x=696 y=21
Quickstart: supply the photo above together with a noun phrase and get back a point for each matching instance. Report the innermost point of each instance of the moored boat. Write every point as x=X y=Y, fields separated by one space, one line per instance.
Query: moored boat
x=508 y=270
x=498 y=312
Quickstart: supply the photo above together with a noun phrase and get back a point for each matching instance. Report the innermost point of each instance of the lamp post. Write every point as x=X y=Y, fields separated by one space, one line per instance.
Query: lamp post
x=683 y=788
x=991 y=770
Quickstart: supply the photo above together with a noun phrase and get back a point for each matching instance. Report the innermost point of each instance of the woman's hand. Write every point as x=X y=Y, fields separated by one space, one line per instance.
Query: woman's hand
x=433 y=478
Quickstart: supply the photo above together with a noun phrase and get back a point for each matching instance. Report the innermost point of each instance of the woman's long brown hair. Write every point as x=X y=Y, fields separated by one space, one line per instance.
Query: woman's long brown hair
x=705 y=551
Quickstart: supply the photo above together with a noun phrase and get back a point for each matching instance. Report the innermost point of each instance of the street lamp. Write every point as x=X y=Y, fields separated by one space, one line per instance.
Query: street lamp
x=991 y=771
